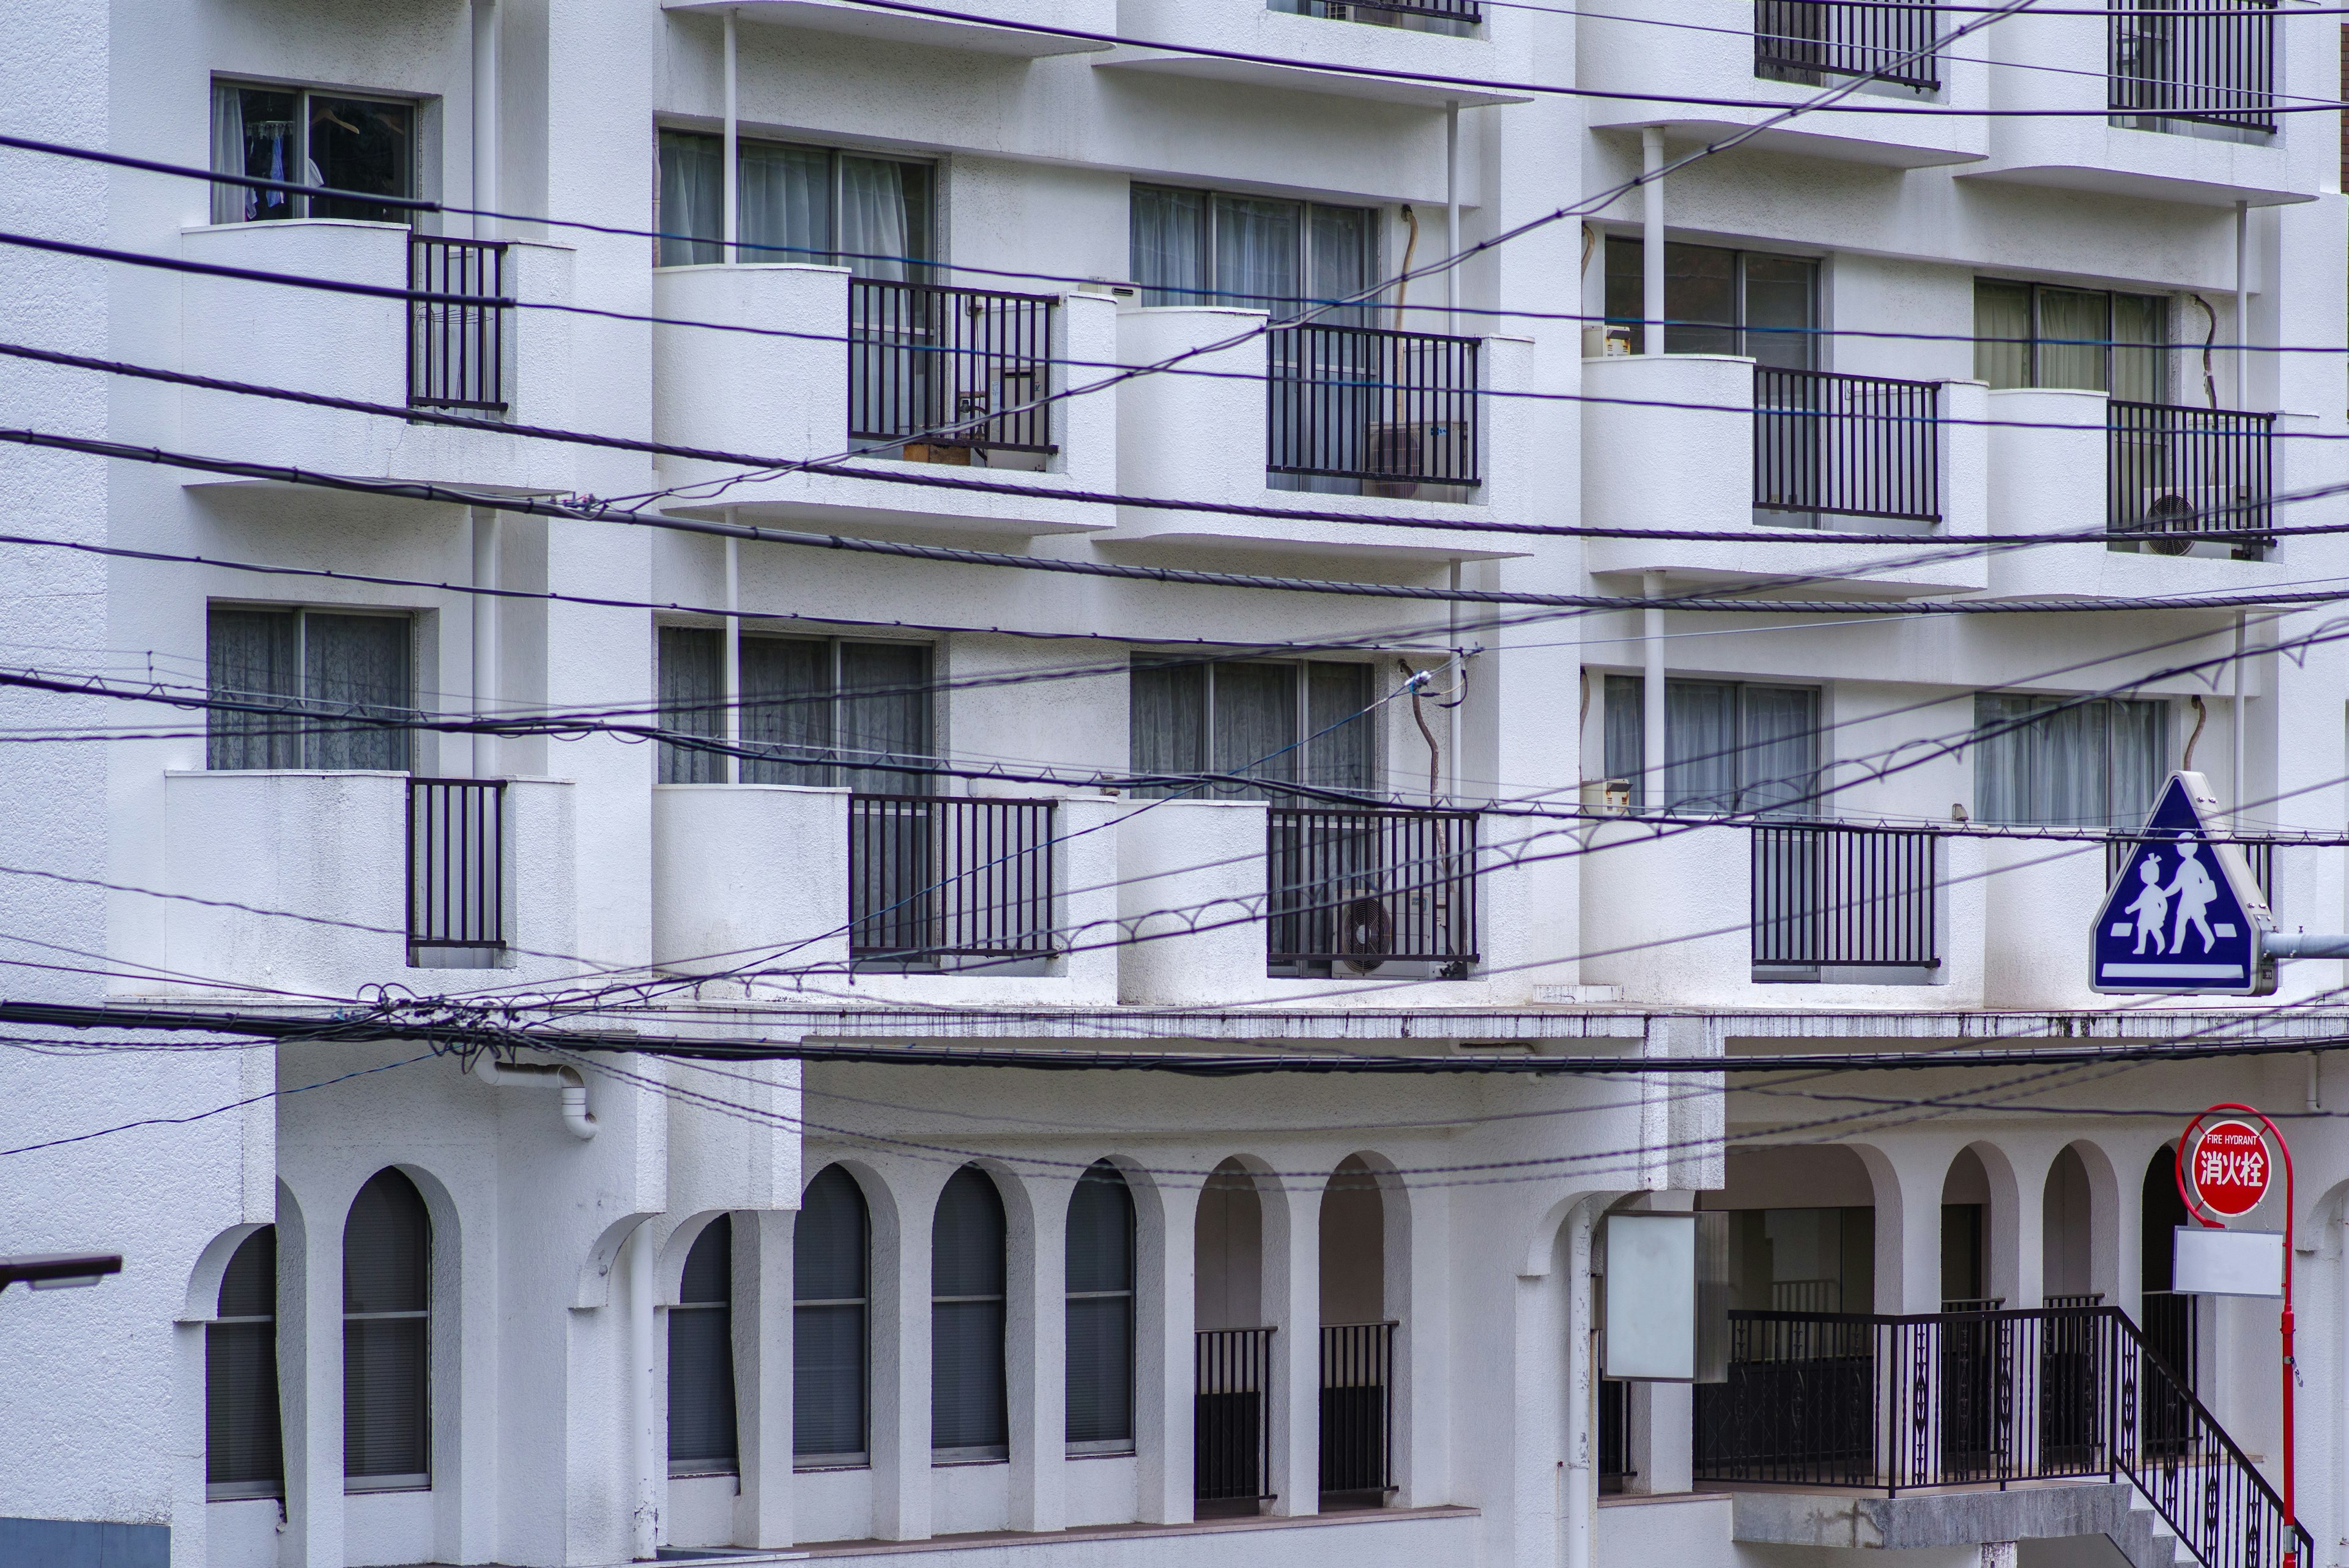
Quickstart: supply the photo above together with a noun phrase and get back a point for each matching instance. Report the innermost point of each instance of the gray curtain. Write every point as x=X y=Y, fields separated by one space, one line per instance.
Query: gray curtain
x=249 y=654
x=1700 y=746
x=1168 y=236
x=692 y=199
x=1778 y=761
x=1254 y=716
x=2092 y=764
x=1166 y=721
x=231 y=203
x=2141 y=360
x=357 y=665
x=1346 y=757
x=787 y=708
x=692 y=702
x=786 y=203
x=882 y=714
x=1344 y=244
x=1626 y=730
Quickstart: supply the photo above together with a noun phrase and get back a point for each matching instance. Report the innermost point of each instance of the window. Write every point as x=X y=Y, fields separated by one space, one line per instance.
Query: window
x=2051 y=762
x=1248 y=717
x=831 y=1325
x=243 y=1453
x=1252 y=253
x=311 y=138
x=1727 y=747
x=1719 y=302
x=1802 y=1260
x=1101 y=1312
x=336 y=676
x=701 y=1433
x=2036 y=335
x=970 y=1419
x=824 y=711
x=810 y=204
x=387 y=1344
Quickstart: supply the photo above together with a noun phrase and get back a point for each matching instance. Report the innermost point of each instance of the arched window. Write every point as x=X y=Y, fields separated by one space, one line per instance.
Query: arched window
x=1101 y=1312
x=702 y=1437
x=831 y=1324
x=244 y=1456
x=387 y=1337
x=969 y=1417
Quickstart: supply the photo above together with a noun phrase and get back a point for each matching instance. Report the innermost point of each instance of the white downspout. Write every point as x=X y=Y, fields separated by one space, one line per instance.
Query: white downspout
x=2242 y=305
x=535 y=1076
x=486 y=528
x=1651 y=248
x=1651 y=728
x=2235 y=764
x=1452 y=215
x=733 y=769
x=485 y=116
x=733 y=174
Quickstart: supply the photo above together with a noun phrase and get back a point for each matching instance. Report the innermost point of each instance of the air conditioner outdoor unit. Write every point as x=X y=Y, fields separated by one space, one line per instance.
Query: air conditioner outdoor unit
x=1424 y=451
x=2174 y=516
x=1365 y=930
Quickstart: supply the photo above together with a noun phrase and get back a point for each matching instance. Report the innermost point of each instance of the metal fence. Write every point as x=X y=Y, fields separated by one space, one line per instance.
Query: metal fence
x=1231 y=1432
x=1358 y=1407
x=457 y=339
x=962 y=362
x=1986 y=1398
x=2259 y=852
x=2175 y=472
x=1846 y=896
x=456 y=863
x=935 y=876
x=1855 y=446
x=1813 y=38
x=1391 y=409
x=1467 y=11
x=2207 y=60
x=1365 y=886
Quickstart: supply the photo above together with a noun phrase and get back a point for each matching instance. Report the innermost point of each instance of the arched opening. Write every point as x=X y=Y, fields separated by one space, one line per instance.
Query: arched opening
x=702 y=1437
x=244 y=1453
x=1357 y=1342
x=387 y=1337
x=970 y=1415
x=1230 y=1456
x=2168 y=1317
x=2067 y=1233
x=1100 y=1312
x=1965 y=1236
x=832 y=1251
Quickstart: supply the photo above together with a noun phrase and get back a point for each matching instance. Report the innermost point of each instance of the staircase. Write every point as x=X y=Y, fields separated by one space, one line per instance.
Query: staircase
x=1983 y=1400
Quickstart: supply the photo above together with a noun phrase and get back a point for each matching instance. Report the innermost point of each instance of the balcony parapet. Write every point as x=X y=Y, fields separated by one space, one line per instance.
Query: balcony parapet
x=1488 y=49
x=982 y=26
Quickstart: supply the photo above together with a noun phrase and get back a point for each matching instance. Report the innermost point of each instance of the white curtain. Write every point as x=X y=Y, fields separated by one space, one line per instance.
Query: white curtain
x=231 y=203
x=1700 y=746
x=692 y=199
x=1779 y=761
x=786 y=196
x=1259 y=249
x=872 y=240
x=2074 y=326
x=1168 y=235
x=2002 y=333
x=2091 y=765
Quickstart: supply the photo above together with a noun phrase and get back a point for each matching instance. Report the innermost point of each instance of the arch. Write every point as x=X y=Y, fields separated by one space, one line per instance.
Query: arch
x=388 y=1267
x=2171 y=1322
x=1980 y=1203
x=1353 y=1244
x=202 y=1304
x=1230 y=1237
x=2067 y=1228
x=668 y=1276
x=970 y=1294
x=1102 y=1264
x=244 y=1451
x=831 y=1320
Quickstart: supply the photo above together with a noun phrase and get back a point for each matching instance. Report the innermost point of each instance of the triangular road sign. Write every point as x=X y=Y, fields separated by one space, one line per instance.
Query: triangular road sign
x=2185 y=914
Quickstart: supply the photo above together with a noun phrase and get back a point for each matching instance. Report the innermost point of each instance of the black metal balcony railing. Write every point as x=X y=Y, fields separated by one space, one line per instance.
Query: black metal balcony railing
x=456 y=864
x=457 y=347
x=935 y=876
x=922 y=358
x=1812 y=38
x=1857 y=446
x=1231 y=1432
x=1391 y=409
x=1464 y=11
x=1367 y=887
x=2207 y=60
x=2259 y=852
x=1984 y=1397
x=1358 y=1407
x=2175 y=472
x=1825 y=895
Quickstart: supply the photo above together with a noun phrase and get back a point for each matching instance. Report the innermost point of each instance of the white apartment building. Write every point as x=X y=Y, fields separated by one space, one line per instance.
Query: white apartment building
x=496 y=739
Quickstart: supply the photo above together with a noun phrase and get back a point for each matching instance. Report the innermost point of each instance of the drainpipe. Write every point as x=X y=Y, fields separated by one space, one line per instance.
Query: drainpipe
x=2242 y=305
x=1651 y=729
x=485 y=116
x=485 y=541
x=2235 y=764
x=732 y=772
x=733 y=174
x=532 y=1075
x=1651 y=247
x=1452 y=215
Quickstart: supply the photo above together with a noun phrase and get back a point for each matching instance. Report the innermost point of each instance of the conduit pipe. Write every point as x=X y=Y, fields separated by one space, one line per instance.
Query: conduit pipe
x=532 y=1075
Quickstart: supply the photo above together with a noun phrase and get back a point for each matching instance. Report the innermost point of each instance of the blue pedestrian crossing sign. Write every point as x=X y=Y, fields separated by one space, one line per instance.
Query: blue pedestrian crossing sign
x=2185 y=916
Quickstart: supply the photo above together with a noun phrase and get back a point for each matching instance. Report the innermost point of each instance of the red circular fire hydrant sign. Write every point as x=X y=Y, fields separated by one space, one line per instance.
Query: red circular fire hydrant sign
x=2230 y=1169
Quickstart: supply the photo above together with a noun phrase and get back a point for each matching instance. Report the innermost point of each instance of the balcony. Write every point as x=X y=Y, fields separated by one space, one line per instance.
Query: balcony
x=1357 y=1412
x=831 y=365
x=982 y=26
x=1358 y=421
x=2161 y=103
x=1769 y=53
x=1836 y=897
x=1746 y=447
x=1455 y=38
x=2178 y=475
x=1355 y=890
x=934 y=879
x=1231 y=1417
x=329 y=882
x=470 y=345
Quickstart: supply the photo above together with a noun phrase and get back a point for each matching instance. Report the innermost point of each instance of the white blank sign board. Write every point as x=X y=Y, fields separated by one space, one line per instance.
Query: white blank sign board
x=1651 y=1296
x=2227 y=1263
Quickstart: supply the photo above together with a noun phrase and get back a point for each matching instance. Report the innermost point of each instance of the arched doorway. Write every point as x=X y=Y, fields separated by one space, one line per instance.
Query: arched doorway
x=1231 y=1458
x=1357 y=1342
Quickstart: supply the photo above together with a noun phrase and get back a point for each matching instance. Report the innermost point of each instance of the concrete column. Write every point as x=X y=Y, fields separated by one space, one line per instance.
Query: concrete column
x=1036 y=1354
x=1292 y=1305
x=901 y=1364
x=487 y=537
x=1579 y=1483
x=1908 y=1227
x=310 y=1383
x=1165 y=1221
x=1653 y=714
x=1651 y=151
x=485 y=116
x=732 y=220
x=762 y=1375
x=648 y=1466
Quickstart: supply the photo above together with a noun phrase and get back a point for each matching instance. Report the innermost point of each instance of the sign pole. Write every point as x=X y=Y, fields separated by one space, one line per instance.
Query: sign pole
x=2190 y=1188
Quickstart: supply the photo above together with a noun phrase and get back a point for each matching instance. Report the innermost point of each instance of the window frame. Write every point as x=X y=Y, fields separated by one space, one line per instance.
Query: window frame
x=1267 y=789
x=1812 y=340
x=1741 y=750
x=923 y=267
x=2164 y=304
x=860 y=1458
x=412 y=166
x=254 y=1487
x=1212 y=293
x=410 y=1480
x=941 y=1456
x=410 y=739
x=686 y=718
x=1089 y=1448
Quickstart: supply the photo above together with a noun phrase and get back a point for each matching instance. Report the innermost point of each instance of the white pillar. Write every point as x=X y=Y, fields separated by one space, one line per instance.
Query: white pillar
x=1452 y=215
x=762 y=1375
x=2242 y=305
x=901 y=1366
x=1652 y=651
x=486 y=538
x=1652 y=250
x=485 y=116
x=1292 y=1302
x=1579 y=1504
x=733 y=173
x=310 y=1374
x=647 y=1484
x=732 y=772
x=1036 y=1360
x=2235 y=721
x=1165 y=1350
